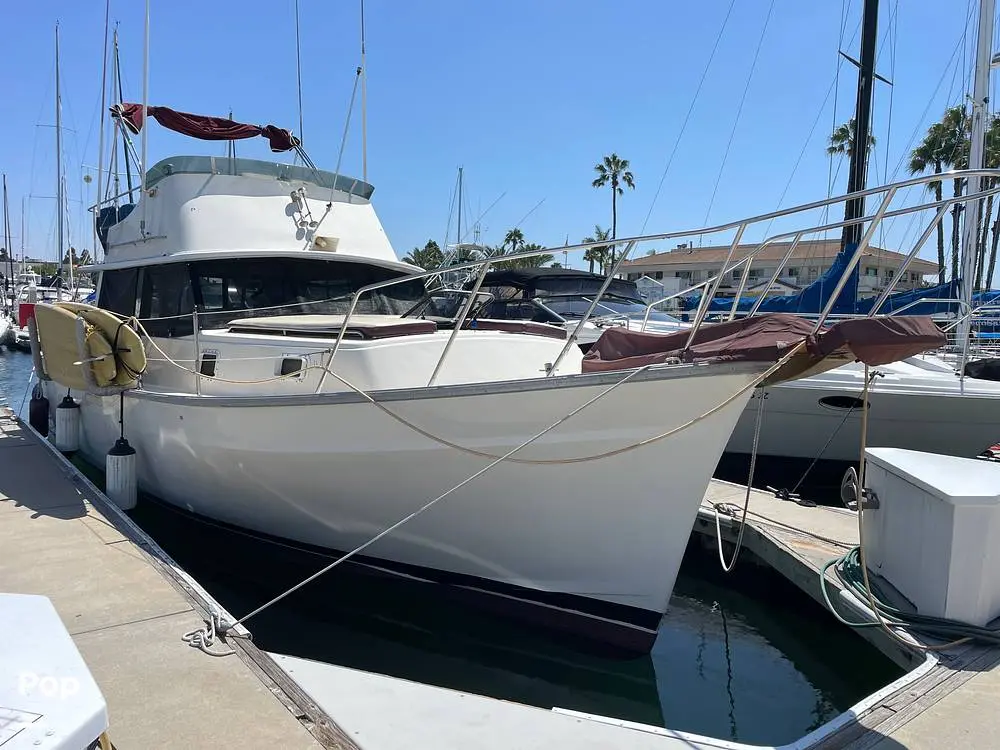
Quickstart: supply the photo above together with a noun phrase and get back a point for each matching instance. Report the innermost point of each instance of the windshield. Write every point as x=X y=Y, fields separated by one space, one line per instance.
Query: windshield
x=577 y=306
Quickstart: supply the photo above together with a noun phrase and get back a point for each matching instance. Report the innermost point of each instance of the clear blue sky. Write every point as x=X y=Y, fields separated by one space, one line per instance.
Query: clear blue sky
x=525 y=94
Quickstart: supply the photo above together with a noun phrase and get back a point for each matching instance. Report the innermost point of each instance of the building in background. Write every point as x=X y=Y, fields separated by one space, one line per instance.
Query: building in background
x=685 y=266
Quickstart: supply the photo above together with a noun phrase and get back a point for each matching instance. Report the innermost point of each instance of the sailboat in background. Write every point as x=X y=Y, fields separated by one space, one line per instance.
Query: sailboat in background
x=6 y=323
x=922 y=403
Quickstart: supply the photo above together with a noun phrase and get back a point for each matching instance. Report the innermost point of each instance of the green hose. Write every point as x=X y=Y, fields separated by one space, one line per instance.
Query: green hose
x=848 y=569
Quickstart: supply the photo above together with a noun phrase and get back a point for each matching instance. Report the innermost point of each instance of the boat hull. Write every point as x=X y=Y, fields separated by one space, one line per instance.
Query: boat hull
x=913 y=405
x=590 y=546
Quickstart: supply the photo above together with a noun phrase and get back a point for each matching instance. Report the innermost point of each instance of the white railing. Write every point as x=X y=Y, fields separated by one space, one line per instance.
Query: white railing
x=710 y=286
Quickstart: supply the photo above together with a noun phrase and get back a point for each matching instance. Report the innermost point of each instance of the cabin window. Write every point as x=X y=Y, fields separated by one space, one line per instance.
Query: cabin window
x=253 y=287
x=118 y=291
x=167 y=300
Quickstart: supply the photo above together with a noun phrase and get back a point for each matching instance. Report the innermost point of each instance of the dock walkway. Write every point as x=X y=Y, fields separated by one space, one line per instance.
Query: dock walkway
x=951 y=701
x=126 y=615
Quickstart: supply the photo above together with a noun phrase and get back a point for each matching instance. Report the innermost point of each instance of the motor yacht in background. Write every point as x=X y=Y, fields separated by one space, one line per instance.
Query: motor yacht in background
x=557 y=297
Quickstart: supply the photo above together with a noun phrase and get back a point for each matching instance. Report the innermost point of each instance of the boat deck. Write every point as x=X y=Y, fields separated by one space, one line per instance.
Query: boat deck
x=126 y=613
x=950 y=702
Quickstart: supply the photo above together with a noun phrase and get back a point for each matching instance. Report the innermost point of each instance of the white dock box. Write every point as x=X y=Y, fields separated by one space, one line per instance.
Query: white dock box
x=936 y=533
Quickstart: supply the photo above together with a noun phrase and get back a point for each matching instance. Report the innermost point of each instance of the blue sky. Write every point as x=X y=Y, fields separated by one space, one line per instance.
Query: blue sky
x=527 y=95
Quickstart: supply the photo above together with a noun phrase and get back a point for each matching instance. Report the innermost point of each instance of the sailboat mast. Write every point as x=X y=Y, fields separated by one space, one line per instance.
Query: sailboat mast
x=862 y=121
x=980 y=96
x=6 y=243
x=100 y=137
x=459 y=239
x=59 y=180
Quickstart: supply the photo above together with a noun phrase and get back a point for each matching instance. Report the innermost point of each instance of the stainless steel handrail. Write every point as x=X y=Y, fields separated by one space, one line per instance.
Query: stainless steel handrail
x=887 y=191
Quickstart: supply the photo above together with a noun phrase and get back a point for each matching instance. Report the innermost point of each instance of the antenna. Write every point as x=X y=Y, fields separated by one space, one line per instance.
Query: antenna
x=145 y=117
x=364 y=100
x=298 y=68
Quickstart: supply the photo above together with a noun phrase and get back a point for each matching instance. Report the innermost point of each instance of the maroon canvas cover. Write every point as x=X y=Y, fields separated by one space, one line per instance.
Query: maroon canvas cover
x=767 y=338
x=204 y=127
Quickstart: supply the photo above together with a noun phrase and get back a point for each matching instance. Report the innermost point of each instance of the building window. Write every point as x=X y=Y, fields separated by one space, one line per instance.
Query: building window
x=792 y=272
x=870 y=271
x=889 y=273
x=658 y=275
x=686 y=275
x=914 y=277
x=737 y=274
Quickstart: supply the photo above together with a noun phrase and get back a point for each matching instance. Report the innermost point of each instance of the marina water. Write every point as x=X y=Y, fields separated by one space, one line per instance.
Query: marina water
x=743 y=657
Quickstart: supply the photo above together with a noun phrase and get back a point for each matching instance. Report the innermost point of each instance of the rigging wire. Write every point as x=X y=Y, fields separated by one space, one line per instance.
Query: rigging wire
x=739 y=110
x=687 y=117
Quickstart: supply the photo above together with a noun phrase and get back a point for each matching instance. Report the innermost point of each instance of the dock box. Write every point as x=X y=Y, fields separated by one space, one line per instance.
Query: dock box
x=936 y=533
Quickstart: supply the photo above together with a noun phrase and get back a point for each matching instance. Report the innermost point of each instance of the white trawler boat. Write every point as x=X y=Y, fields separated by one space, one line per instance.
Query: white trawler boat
x=285 y=393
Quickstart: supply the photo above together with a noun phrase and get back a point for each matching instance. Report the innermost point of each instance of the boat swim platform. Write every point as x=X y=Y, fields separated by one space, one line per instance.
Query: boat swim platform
x=126 y=605
x=946 y=700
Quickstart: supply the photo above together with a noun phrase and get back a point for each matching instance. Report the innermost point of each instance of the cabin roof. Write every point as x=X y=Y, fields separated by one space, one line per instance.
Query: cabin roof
x=240 y=166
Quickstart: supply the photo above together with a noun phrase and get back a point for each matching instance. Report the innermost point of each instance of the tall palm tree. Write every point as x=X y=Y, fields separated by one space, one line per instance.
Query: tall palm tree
x=614 y=171
x=955 y=128
x=598 y=255
x=931 y=154
x=984 y=274
x=513 y=240
x=841 y=143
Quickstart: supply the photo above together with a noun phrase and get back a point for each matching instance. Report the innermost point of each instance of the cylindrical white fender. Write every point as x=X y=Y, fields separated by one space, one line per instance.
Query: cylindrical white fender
x=119 y=474
x=67 y=437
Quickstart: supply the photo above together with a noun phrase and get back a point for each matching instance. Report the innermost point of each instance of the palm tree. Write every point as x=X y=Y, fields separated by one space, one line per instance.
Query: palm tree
x=992 y=161
x=512 y=240
x=614 y=171
x=534 y=261
x=598 y=255
x=428 y=257
x=955 y=129
x=842 y=140
x=931 y=154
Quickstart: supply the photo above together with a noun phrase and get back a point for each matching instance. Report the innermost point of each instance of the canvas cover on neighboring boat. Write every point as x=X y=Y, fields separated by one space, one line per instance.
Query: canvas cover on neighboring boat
x=767 y=338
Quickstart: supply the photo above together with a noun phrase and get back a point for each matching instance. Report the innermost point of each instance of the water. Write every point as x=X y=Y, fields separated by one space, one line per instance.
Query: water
x=15 y=368
x=744 y=657
x=747 y=657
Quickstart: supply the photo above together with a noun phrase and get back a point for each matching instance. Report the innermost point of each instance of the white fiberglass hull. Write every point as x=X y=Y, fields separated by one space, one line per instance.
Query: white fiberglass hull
x=594 y=545
x=918 y=404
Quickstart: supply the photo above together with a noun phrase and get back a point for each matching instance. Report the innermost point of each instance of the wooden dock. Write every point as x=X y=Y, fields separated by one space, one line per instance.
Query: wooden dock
x=950 y=697
x=126 y=605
